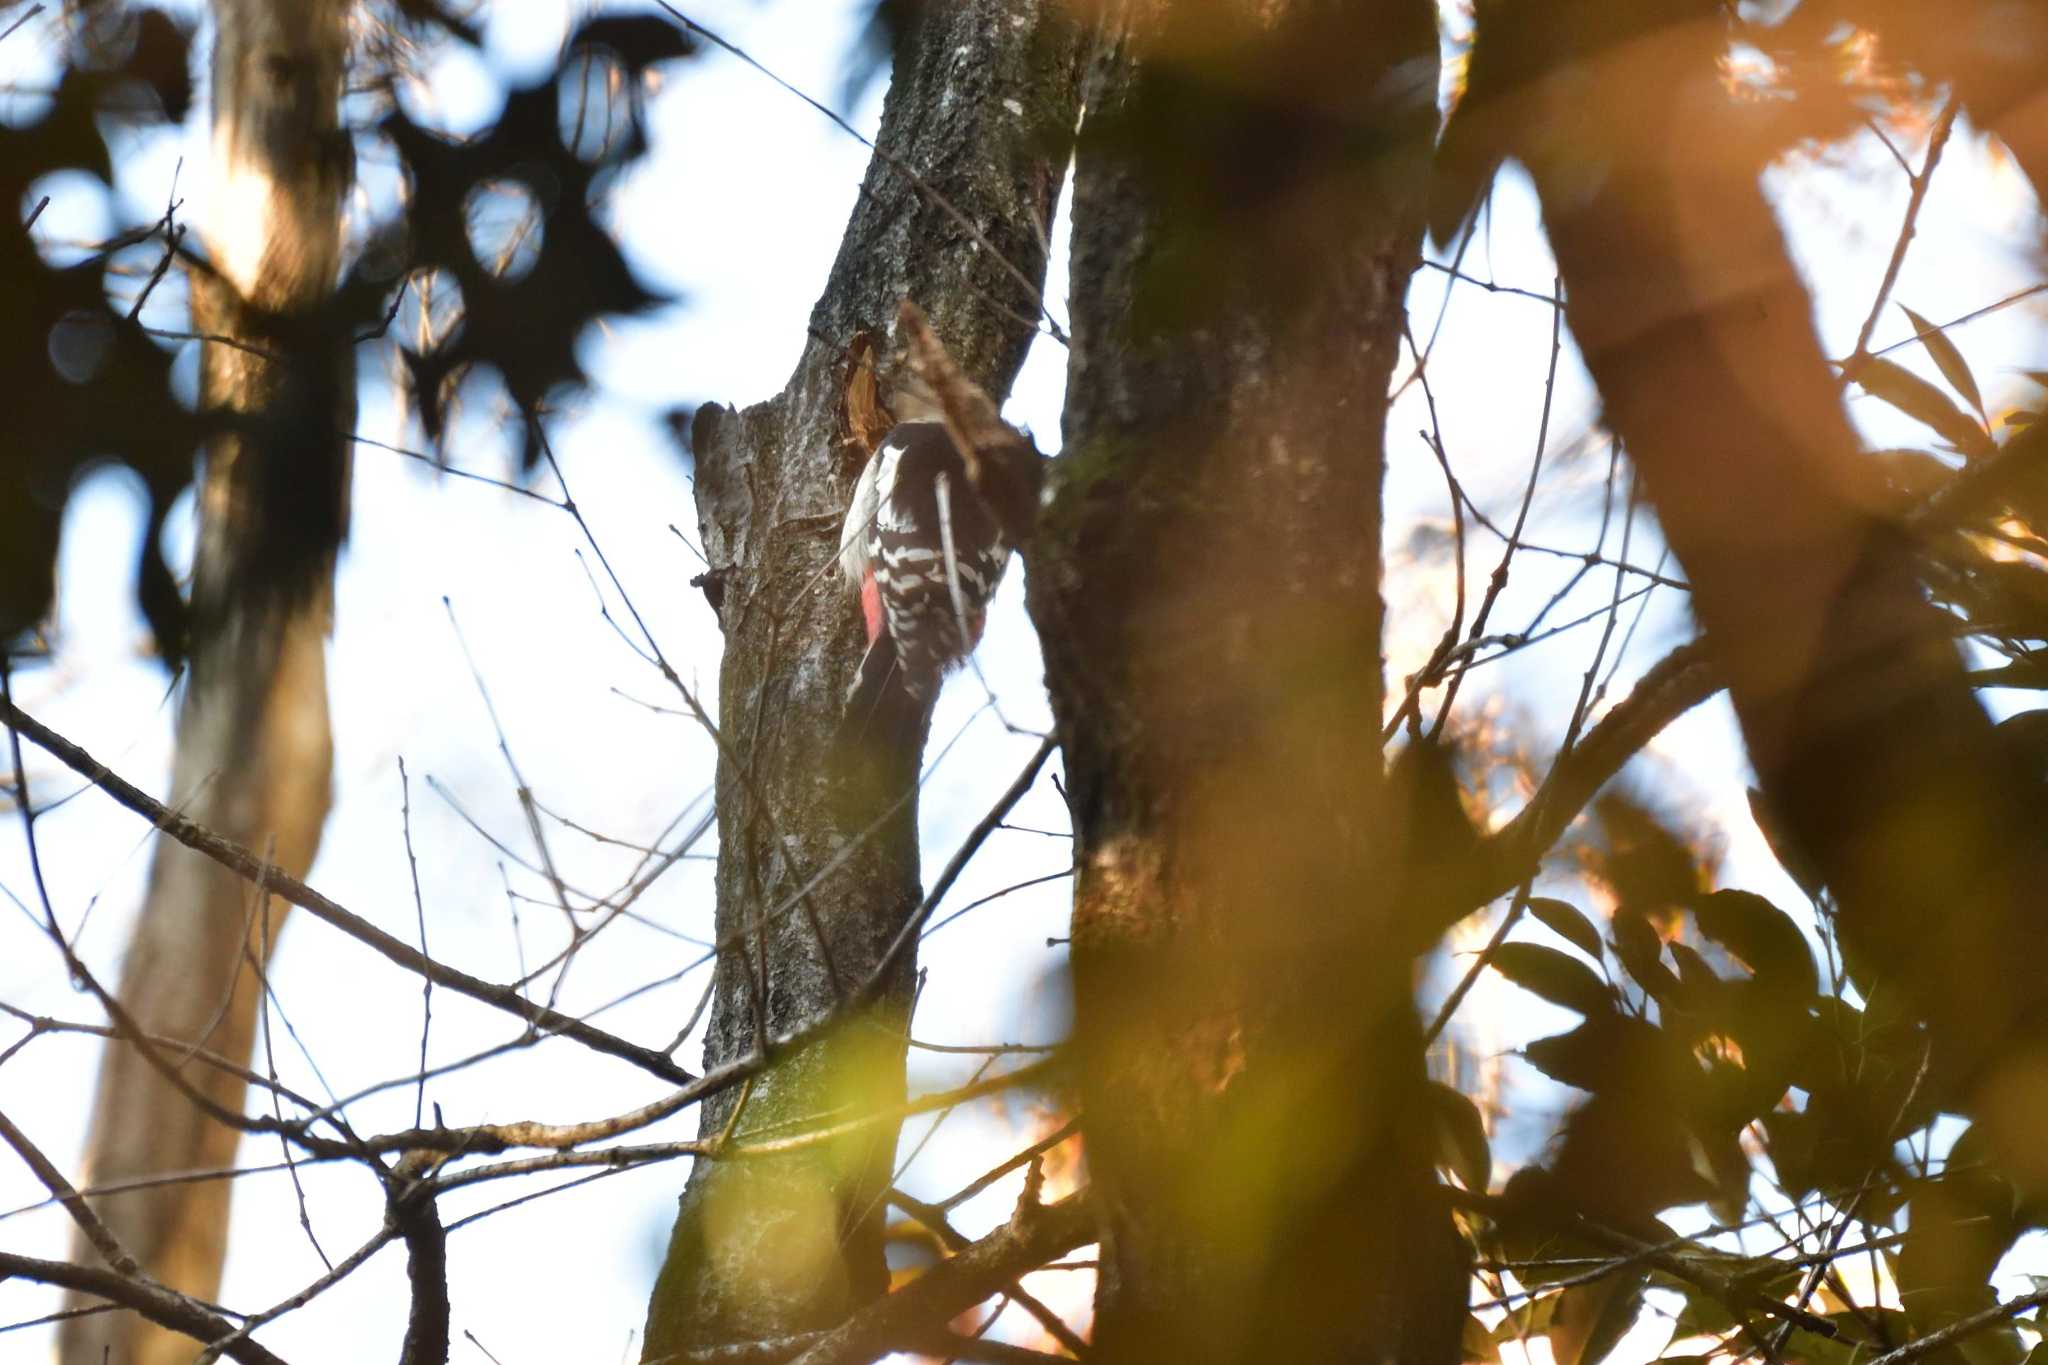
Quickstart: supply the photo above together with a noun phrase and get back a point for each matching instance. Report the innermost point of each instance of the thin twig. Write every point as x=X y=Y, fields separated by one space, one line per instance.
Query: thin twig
x=1936 y=141
x=240 y=860
x=419 y=906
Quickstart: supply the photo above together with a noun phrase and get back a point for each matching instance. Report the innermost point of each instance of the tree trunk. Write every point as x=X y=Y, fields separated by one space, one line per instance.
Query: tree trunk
x=1246 y=216
x=981 y=109
x=253 y=746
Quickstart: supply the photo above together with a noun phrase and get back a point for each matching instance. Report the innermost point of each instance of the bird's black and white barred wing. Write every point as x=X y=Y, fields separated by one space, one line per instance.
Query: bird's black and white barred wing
x=938 y=555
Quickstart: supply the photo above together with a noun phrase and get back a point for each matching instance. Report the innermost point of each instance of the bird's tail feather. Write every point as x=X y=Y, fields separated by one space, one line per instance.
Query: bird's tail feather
x=883 y=717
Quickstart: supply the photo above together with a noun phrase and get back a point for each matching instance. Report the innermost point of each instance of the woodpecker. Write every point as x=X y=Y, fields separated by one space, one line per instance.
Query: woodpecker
x=923 y=554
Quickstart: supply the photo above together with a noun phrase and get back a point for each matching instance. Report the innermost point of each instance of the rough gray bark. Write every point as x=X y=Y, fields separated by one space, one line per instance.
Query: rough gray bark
x=981 y=109
x=1248 y=202
x=253 y=746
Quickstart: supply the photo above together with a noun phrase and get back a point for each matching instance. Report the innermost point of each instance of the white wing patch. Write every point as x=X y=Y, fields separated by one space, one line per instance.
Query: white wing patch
x=854 y=536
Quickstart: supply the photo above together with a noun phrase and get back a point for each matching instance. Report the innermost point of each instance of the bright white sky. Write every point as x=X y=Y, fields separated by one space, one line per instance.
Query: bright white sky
x=739 y=210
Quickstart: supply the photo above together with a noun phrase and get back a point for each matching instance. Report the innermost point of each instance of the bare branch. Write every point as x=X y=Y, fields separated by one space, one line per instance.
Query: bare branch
x=96 y=1232
x=413 y=1212
x=247 y=865
x=152 y=1301
x=1034 y=1235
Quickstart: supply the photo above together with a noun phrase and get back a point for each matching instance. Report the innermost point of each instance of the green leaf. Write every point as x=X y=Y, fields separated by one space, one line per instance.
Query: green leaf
x=1948 y=360
x=1558 y=977
x=1461 y=1144
x=1763 y=936
x=1921 y=401
x=1569 y=923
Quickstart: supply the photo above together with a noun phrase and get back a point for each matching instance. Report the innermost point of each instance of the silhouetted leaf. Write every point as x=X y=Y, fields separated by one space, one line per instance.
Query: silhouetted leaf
x=156 y=50
x=1915 y=473
x=1461 y=1137
x=2026 y=735
x=1607 y=1050
x=637 y=40
x=1557 y=977
x=1792 y=1138
x=527 y=326
x=1719 y=1159
x=1763 y=936
x=1576 y=1059
x=1646 y=862
x=1569 y=922
x=1948 y=360
x=85 y=382
x=1591 y=1319
x=1960 y=1225
x=1641 y=949
x=2024 y=472
x=1693 y=972
x=1909 y=393
x=2022 y=593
